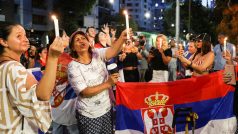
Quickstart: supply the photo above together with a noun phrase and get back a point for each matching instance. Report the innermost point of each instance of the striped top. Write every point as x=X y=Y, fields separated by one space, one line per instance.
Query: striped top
x=16 y=102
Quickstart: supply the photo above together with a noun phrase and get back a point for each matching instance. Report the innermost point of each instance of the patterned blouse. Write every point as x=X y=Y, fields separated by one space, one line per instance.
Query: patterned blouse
x=20 y=110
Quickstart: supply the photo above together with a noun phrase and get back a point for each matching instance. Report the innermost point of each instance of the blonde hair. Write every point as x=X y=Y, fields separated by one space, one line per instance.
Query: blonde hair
x=164 y=43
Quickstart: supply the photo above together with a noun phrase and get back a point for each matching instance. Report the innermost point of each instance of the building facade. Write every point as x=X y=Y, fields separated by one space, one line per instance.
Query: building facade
x=33 y=15
x=140 y=11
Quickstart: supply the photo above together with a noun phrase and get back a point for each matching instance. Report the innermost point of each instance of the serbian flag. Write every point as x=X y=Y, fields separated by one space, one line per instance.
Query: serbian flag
x=63 y=96
x=150 y=107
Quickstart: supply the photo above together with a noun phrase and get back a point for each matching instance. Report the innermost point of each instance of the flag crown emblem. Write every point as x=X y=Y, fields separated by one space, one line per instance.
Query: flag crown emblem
x=156 y=99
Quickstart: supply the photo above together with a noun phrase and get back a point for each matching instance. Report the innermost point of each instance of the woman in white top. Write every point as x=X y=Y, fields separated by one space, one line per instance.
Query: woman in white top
x=88 y=76
x=24 y=102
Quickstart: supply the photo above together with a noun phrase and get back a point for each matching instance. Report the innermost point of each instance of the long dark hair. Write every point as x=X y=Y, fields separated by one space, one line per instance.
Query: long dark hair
x=38 y=51
x=206 y=47
x=71 y=44
x=5 y=30
x=96 y=39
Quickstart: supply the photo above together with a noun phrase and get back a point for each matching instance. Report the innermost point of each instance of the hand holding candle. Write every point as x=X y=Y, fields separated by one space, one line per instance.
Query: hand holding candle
x=56 y=24
x=127 y=24
x=160 y=42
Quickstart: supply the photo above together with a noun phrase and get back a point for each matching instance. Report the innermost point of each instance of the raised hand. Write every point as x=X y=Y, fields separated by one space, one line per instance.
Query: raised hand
x=57 y=47
x=106 y=29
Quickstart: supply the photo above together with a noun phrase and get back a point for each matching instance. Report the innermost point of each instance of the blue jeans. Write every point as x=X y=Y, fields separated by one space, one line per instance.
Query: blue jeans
x=61 y=129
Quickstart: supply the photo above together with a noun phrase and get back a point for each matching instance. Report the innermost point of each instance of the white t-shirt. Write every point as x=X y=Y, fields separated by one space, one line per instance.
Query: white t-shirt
x=81 y=76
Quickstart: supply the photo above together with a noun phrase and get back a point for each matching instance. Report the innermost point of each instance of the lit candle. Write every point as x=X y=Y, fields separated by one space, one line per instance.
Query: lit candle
x=127 y=24
x=225 y=45
x=234 y=51
x=160 y=42
x=56 y=24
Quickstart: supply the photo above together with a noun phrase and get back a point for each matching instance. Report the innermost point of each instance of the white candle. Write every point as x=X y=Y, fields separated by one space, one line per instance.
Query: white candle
x=56 y=24
x=160 y=42
x=234 y=51
x=225 y=45
x=46 y=39
x=127 y=24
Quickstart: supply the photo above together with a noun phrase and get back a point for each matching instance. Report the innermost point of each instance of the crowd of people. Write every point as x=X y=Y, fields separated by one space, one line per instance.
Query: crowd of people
x=90 y=108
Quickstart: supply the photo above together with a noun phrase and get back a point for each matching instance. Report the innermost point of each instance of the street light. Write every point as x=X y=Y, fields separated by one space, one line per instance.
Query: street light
x=156 y=4
x=147 y=15
x=172 y=25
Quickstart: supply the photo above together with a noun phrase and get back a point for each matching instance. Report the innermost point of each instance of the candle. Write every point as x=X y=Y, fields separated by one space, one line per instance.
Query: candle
x=225 y=45
x=46 y=39
x=56 y=24
x=127 y=24
x=160 y=42
x=234 y=51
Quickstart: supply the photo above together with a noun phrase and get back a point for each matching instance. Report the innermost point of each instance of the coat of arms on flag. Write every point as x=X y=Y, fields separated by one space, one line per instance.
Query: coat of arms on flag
x=158 y=116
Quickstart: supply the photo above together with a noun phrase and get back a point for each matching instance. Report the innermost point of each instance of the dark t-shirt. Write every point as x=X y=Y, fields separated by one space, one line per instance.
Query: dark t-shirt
x=131 y=60
x=157 y=62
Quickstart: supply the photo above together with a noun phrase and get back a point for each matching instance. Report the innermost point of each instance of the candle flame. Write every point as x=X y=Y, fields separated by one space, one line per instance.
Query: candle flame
x=125 y=12
x=53 y=17
x=225 y=39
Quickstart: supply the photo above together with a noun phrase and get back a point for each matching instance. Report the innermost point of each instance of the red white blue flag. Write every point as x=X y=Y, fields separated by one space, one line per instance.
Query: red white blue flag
x=149 y=107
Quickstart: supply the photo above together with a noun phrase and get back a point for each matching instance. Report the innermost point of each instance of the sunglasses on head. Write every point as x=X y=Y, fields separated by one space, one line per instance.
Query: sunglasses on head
x=198 y=40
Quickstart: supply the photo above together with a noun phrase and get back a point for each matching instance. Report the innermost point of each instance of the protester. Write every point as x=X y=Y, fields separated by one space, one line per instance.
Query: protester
x=173 y=62
x=31 y=56
x=63 y=97
x=143 y=65
x=191 y=50
x=88 y=76
x=26 y=102
x=159 y=59
x=91 y=33
x=129 y=58
x=220 y=62
x=227 y=77
x=113 y=31
x=203 y=61
x=28 y=58
x=41 y=55
x=101 y=40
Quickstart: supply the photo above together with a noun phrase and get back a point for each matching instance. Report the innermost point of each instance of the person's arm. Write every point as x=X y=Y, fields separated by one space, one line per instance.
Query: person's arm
x=166 y=59
x=208 y=62
x=107 y=31
x=116 y=47
x=46 y=84
x=94 y=90
x=122 y=56
x=79 y=83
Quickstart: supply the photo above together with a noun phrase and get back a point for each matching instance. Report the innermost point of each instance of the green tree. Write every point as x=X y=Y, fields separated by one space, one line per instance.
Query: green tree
x=71 y=12
x=228 y=20
x=200 y=18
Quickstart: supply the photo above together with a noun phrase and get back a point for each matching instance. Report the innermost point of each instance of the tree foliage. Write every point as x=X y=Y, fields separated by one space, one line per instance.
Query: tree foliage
x=200 y=21
x=71 y=11
x=228 y=22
